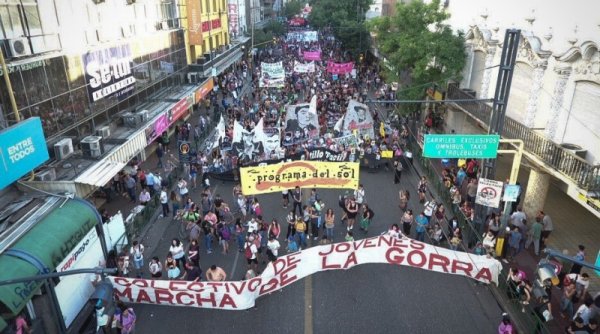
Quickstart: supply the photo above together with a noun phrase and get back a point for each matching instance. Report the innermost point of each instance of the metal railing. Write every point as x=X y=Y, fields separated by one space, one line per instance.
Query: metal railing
x=578 y=170
x=472 y=234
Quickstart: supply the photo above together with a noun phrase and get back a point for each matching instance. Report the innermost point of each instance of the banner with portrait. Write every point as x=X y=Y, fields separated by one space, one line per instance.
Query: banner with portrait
x=304 y=68
x=358 y=119
x=301 y=123
x=272 y=74
x=271 y=140
x=221 y=134
x=247 y=145
x=309 y=174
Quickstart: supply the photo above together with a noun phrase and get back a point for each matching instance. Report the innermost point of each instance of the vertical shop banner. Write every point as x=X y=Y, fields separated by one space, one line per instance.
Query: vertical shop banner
x=272 y=74
x=232 y=13
x=194 y=22
x=488 y=192
x=22 y=149
x=309 y=174
x=312 y=55
x=358 y=119
x=108 y=72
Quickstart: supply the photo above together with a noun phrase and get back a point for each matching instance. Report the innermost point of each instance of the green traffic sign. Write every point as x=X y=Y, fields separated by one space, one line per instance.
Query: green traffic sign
x=461 y=146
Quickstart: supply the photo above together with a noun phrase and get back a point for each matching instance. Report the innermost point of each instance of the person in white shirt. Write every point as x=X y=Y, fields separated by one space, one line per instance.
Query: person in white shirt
x=164 y=201
x=359 y=195
x=584 y=311
x=429 y=208
x=252 y=225
x=273 y=248
x=582 y=282
x=252 y=260
x=137 y=251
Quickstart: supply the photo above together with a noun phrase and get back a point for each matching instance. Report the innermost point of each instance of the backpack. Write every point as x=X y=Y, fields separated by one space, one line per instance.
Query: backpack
x=225 y=233
x=248 y=251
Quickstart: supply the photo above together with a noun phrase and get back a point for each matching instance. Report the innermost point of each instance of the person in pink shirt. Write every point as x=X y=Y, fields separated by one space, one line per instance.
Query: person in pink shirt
x=505 y=326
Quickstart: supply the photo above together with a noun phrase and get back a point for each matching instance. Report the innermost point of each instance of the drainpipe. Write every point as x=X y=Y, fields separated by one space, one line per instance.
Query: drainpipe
x=11 y=94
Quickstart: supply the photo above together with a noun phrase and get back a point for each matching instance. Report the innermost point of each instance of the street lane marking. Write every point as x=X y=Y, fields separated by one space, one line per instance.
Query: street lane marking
x=308 y=313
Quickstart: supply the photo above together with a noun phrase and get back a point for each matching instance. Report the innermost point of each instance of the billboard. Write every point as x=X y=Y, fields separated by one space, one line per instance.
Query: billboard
x=194 y=22
x=22 y=149
x=108 y=72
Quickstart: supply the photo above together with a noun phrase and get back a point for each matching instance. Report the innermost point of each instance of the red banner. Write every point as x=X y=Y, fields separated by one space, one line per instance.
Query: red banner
x=180 y=108
x=204 y=90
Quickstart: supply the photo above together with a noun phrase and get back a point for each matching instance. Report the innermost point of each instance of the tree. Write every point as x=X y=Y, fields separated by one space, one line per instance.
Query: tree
x=420 y=48
x=346 y=18
x=292 y=8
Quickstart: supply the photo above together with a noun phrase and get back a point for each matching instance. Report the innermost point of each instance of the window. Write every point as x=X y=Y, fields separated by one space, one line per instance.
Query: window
x=18 y=20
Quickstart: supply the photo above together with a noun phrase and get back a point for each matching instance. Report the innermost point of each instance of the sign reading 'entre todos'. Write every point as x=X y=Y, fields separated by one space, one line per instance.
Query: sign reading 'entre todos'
x=461 y=146
x=288 y=175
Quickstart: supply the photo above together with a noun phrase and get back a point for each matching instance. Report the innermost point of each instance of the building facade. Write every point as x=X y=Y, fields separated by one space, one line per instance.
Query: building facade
x=556 y=82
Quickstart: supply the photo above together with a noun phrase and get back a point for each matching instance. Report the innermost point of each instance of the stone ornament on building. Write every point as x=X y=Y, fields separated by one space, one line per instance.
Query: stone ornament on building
x=585 y=61
x=480 y=39
x=563 y=71
x=487 y=74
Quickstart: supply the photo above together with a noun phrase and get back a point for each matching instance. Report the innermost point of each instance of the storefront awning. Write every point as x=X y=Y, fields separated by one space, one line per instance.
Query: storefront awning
x=101 y=173
x=45 y=245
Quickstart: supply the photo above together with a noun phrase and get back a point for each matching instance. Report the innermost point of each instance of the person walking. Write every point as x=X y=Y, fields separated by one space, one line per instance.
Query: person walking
x=422 y=224
x=216 y=274
x=137 y=251
x=329 y=224
x=164 y=202
x=126 y=320
x=404 y=198
x=272 y=248
x=176 y=250
x=407 y=221
x=300 y=228
x=397 y=171
x=297 y=198
x=251 y=252
x=155 y=268
x=535 y=235
x=351 y=211
x=366 y=219
x=422 y=189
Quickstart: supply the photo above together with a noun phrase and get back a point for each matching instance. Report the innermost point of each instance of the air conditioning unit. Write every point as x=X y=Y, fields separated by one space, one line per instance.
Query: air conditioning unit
x=18 y=47
x=164 y=25
x=143 y=116
x=192 y=78
x=130 y=2
x=98 y=1
x=63 y=149
x=131 y=120
x=103 y=132
x=91 y=147
x=46 y=175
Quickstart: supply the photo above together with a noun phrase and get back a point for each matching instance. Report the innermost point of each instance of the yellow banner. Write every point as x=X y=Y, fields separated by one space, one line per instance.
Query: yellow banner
x=387 y=154
x=304 y=174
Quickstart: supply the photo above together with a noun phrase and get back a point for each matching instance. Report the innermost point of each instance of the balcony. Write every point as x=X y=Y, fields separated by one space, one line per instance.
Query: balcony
x=218 y=60
x=585 y=175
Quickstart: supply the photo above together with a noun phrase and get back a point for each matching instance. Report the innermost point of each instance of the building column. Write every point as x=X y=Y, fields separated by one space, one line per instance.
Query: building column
x=487 y=74
x=537 y=82
x=535 y=196
x=556 y=109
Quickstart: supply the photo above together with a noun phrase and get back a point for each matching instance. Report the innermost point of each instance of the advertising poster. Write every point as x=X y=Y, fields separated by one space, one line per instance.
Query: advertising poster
x=108 y=72
x=310 y=174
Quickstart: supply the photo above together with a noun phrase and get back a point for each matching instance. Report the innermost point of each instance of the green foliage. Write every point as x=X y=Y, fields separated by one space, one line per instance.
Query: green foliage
x=292 y=8
x=275 y=27
x=266 y=34
x=347 y=20
x=420 y=47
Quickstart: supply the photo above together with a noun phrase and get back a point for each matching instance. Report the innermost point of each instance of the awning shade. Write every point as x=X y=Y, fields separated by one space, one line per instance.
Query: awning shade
x=101 y=173
x=50 y=241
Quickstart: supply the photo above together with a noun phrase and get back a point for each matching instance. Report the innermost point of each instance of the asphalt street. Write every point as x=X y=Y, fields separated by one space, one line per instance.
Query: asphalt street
x=374 y=298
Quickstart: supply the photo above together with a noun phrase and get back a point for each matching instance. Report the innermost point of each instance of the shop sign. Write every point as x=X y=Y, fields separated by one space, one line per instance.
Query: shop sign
x=156 y=128
x=108 y=72
x=204 y=90
x=22 y=149
x=180 y=108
